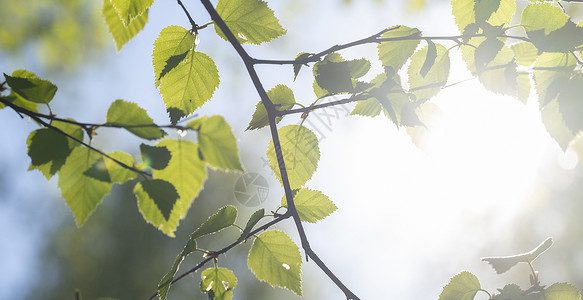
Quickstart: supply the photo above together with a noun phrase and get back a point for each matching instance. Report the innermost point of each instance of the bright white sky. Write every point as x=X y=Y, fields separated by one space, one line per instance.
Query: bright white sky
x=406 y=216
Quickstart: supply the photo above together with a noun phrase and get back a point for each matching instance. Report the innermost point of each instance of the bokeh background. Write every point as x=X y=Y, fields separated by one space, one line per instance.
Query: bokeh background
x=483 y=179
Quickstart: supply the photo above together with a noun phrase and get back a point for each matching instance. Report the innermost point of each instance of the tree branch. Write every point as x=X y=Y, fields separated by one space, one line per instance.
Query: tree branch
x=192 y=23
x=277 y=219
x=272 y=114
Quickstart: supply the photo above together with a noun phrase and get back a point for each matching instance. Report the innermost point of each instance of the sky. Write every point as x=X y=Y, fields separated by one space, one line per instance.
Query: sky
x=407 y=215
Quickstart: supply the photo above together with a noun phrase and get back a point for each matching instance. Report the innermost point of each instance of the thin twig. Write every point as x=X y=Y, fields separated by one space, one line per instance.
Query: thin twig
x=192 y=23
x=266 y=226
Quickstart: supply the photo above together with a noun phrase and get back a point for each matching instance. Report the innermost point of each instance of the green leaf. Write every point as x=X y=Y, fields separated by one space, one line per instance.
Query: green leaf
x=218 y=283
x=282 y=98
x=162 y=193
x=369 y=107
x=551 y=71
x=335 y=75
x=165 y=283
x=570 y=104
x=17 y=100
x=276 y=259
x=216 y=143
x=31 y=87
x=127 y=10
x=486 y=52
x=429 y=59
x=255 y=217
x=298 y=67
x=387 y=96
x=82 y=193
x=550 y=29
x=301 y=153
x=494 y=12
x=562 y=291
x=555 y=125
x=134 y=119
x=47 y=145
x=311 y=205
x=425 y=87
x=251 y=21
x=525 y=53
x=122 y=33
x=155 y=157
x=394 y=54
x=502 y=264
x=46 y=141
x=170 y=48
x=191 y=83
x=514 y=292
x=107 y=170
x=463 y=286
x=224 y=218
x=187 y=173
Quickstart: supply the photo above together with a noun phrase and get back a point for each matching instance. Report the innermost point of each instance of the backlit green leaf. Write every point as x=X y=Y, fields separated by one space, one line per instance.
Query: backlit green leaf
x=551 y=71
x=31 y=87
x=216 y=143
x=298 y=67
x=570 y=104
x=251 y=21
x=122 y=33
x=155 y=157
x=191 y=83
x=429 y=59
x=282 y=98
x=555 y=125
x=550 y=29
x=134 y=119
x=562 y=291
x=394 y=54
x=300 y=153
x=107 y=170
x=82 y=193
x=47 y=145
x=127 y=10
x=486 y=52
x=187 y=173
x=218 y=283
x=98 y=171
x=161 y=192
x=224 y=218
x=335 y=75
x=17 y=100
x=255 y=217
x=425 y=87
x=276 y=259
x=311 y=205
x=463 y=286
x=502 y=264
x=165 y=283
x=52 y=166
x=170 y=48
x=525 y=53
x=494 y=12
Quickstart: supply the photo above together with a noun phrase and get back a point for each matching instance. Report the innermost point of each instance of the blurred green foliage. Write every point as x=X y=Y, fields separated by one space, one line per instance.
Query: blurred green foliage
x=56 y=34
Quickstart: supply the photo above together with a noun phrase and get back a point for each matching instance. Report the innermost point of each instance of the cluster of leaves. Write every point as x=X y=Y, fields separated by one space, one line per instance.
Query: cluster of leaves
x=465 y=285
x=171 y=173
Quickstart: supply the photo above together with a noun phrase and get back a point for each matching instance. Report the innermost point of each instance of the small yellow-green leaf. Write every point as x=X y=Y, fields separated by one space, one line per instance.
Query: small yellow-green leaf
x=127 y=10
x=562 y=291
x=282 y=98
x=17 y=100
x=463 y=286
x=251 y=21
x=187 y=173
x=82 y=193
x=494 y=12
x=298 y=67
x=425 y=87
x=525 y=53
x=555 y=125
x=300 y=153
x=155 y=157
x=218 y=283
x=134 y=119
x=162 y=193
x=311 y=205
x=166 y=281
x=170 y=48
x=394 y=54
x=276 y=259
x=216 y=143
x=255 y=217
x=551 y=71
x=223 y=218
x=31 y=87
x=121 y=32
x=550 y=29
